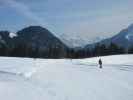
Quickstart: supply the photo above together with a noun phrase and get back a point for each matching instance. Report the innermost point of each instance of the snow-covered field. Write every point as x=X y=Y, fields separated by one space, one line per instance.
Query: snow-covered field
x=65 y=79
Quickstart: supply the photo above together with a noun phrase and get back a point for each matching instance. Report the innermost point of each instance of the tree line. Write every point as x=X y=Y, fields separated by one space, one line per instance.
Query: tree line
x=99 y=50
x=24 y=50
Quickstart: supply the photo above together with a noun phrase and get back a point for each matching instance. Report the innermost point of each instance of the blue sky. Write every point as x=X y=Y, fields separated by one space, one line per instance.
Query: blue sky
x=85 y=18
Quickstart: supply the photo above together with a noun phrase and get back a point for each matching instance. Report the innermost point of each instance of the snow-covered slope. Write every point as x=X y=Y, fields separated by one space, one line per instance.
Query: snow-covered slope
x=65 y=79
x=124 y=38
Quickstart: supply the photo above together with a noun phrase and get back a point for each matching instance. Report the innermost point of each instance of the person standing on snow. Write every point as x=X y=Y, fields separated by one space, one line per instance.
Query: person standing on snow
x=100 y=63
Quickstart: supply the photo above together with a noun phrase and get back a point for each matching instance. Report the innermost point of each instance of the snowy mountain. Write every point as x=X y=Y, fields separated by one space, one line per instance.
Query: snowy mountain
x=34 y=35
x=64 y=79
x=73 y=41
x=32 y=41
x=124 y=38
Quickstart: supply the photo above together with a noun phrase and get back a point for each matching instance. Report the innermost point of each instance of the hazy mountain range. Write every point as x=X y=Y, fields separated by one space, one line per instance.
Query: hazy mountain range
x=43 y=38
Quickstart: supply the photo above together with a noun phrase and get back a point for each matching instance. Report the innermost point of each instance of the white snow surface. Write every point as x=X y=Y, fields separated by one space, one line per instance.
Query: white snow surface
x=12 y=35
x=66 y=79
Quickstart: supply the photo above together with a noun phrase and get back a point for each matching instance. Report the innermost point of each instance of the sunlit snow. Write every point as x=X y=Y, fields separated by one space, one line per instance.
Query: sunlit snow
x=66 y=79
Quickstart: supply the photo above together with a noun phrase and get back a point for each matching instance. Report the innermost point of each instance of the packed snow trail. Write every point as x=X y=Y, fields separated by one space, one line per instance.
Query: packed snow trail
x=64 y=79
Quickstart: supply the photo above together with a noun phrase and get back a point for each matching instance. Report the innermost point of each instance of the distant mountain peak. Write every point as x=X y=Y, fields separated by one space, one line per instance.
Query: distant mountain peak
x=34 y=29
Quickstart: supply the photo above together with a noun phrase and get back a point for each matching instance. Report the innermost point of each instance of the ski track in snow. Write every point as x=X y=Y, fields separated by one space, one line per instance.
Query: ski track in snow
x=69 y=79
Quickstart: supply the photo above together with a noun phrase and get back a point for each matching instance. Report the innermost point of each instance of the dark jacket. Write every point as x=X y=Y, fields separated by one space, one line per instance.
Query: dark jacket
x=100 y=62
